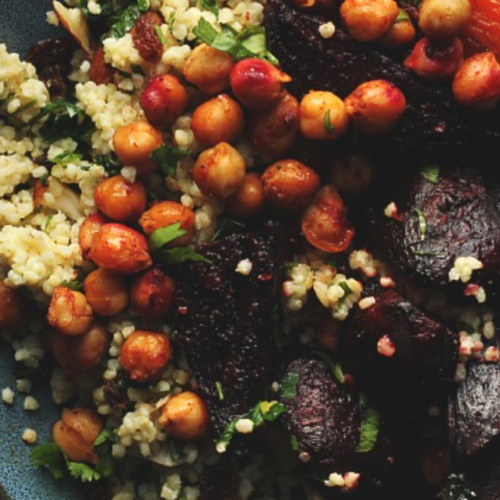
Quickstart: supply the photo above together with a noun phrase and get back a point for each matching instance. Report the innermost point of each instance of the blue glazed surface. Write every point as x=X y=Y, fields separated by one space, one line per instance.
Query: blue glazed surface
x=22 y=22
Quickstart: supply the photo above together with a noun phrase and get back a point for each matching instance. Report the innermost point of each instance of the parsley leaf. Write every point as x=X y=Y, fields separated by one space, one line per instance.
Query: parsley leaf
x=330 y=129
x=125 y=20
x=430 y=173
x=167 y=158
x=288 y=389
x=422 y=224
x=104 y=436
x=83 y=472
x=210 y=6
x=402 y=16
x=369 y=431
x=227 y=227
x=110 y=164
x=160 y=35
x=220 y=393
x=51 y=456
x=159 y=238
x=335 y=368
x=179 y=255
x=76 y=284
x=65 y=158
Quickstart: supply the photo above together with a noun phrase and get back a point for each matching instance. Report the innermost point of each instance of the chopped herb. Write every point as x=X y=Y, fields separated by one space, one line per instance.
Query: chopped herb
x=124 y=21
x=28 y=105
x=44 y=179
x=330 y=129
x=110 y=164
x=167 y=157
x=175 y=449
x=107 y=9
x=347 y=290
x=65 y=158
x=220 y=393
x=335 y=368
x=104 y=436
x=48 y=220
x=160 y=34
x=430 y=173
x=179 y=255
x=210 y=6
x=76 y=284
x=288 y=385
x=457 y=488
x=294 y=443
x=51 y=456
x=138 y=70
x=83 y=472
x=430 y=254
x=402 y=16
x=143 y=5
x=422 y=225
x=159 y=238
x=227 y=227
x=369 y=431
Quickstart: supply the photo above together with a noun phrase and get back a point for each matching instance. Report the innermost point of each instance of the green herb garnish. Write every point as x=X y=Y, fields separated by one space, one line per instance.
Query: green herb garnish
x=430 y=173
x=167 y=158
x=220 y=393
x=160 y=35
x=369 y=431
x=28 y=105
x=330 y=129
x=179 y=255
x=402 y=16
x=227 y=227
x=288 y=386
x=210 y=6
x=50 y=456
x=422 y=224
x=175 y=449
x=159 y=238
x=125 y=20
x=65 y=158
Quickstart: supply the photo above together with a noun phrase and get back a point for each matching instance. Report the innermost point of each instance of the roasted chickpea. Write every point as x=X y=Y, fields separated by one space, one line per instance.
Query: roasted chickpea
x=134 y=144
x=219 y=171
x=120 y=200
x=185 y=416
x=289 y=184
x=327 y=333
x=145 y=355
x=248 y=199
x=274 y=131
x=433 y=61
x=325 y=223
x=165 y=214
x=375 y=107
x=401 y=34
x=441 y=19
x=477 y=82
x=77 y=355
x=163 y=100
x=257 y=84
x=220 y=119
x=106 y=292
x=13 y=307
x=368 y=20
x=436 y=463
x=89 y=230
x=322 y=116
x=120 y=249
x=152 y=293
x=208 y=69
x=352 y=174
x=76 y=433
x=69 y=311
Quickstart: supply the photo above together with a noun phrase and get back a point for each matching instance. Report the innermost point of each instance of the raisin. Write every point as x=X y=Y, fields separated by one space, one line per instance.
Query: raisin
x=145 y=37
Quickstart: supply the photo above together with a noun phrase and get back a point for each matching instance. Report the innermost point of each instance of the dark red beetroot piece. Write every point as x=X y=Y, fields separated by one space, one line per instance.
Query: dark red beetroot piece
x=432 y=119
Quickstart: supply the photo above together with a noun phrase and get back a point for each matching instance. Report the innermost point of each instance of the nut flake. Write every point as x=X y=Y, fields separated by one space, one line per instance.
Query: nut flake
x=366 y=302
x=463 y=268
x=244 y=267
x=385 y=347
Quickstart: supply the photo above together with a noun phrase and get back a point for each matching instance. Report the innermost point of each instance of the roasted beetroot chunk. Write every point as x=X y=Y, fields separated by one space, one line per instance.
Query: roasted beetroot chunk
x=424 y=356
x=457 y=215
x=225 y=319
x=432 y=119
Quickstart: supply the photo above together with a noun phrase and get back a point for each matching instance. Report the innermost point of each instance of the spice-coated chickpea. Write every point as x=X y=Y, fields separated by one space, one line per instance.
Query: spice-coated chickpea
x=76 y=433
x=77 y=355
x=134 y=144
x=220 y=119
x=368 y=20
x=375 y=107
x=185 y=417
x=106 y=292
x=152 y=293
x=219 y=171
x=121 y=200
x=166 y=213
x=145 y=355
x=120 y=249
x=257 y=84
x=13 y=307
x=248 y=199
x=351 y=174
x=208 y=69
x=325 y=223
x=477 y=82
x=401 y=34
x=289 y=184
x=322 y=116
x=441 y=19
x=163 y=100
x=69 y=311
x=274 y=131
x=89 y=230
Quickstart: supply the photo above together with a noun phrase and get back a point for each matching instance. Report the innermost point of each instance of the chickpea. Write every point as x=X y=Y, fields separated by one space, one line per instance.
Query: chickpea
x=433 y=61
x=368 y=20
x=106 y=292
x=477 y=82
x=165 y=214
x=152 y=294
x=69 y=312
x=375 y=107
x=322 y=116
x=120 y=249
x=13 y=307
x=219 y=171
x=220 y=119
x=76 y=433
x=441 y=19
x=89 y=230
x=163 y=100
x=289 y=184
x=352 y=174
x=325 y=223
x=145 y=355
x=401 y=34
x=208 y=69
x=185 y=416
x=134 y=144
x=248 y=199
x=274 y=131
x=121 y=200
x=327 y=333
x=77 y=355
x=257 y=84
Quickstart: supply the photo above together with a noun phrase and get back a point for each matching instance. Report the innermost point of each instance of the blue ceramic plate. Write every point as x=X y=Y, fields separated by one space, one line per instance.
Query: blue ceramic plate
x=21 y=23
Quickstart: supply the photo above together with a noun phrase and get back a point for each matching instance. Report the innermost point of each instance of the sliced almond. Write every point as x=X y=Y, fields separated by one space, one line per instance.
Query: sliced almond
x=75 y=23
